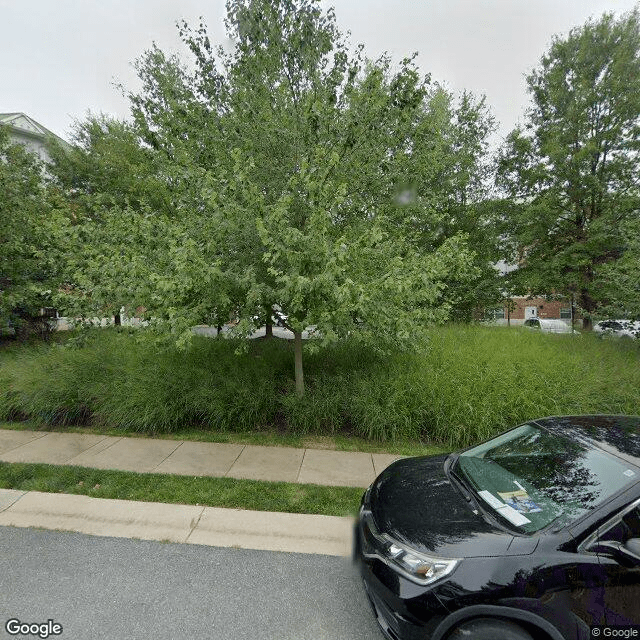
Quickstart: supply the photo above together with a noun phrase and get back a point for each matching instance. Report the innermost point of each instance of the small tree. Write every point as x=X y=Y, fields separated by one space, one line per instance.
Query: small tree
x=283 y=161
x=108 y=178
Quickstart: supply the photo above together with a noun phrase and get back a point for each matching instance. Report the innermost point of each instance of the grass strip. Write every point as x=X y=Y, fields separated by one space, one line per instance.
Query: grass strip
x=203 y=491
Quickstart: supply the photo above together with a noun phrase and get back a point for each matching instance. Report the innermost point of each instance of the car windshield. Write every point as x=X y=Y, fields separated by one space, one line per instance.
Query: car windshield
x=532 y=477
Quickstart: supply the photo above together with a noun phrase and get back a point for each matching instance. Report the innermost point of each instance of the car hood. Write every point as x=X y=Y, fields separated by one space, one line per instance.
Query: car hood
x=414 y=502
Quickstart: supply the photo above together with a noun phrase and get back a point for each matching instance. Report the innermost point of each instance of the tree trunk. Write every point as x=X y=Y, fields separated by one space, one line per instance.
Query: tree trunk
x=268 y=324
x=297 y=344
x=587 y=303
x=117 y=320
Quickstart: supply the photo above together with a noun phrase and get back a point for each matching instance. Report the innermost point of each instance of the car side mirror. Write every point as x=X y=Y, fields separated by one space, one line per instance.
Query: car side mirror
x=627 y=553
x=632 y=546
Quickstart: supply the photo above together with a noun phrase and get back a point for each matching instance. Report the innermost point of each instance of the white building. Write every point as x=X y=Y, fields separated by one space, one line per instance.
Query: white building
x=25 y=130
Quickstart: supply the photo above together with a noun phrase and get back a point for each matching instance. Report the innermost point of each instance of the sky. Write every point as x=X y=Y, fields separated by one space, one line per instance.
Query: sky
x=61 y=59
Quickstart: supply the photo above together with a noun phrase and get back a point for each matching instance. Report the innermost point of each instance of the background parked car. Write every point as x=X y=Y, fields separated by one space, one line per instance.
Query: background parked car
x=618 y=328
x=548 y=325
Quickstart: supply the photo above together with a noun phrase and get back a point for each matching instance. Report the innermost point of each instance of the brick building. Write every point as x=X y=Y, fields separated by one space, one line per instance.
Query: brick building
x=523 y=308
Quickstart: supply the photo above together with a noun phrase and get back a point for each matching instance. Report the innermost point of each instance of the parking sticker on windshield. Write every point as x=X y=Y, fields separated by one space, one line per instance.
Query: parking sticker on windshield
x=520 y=501
x=503 y=509
x=513 y=516
x=487 y=496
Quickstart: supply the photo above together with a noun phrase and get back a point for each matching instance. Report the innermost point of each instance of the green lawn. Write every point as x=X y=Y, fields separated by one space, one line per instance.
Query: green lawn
x=154 y=487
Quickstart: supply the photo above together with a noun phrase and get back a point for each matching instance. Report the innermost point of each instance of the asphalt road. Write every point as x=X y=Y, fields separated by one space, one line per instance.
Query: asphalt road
x=124 y=589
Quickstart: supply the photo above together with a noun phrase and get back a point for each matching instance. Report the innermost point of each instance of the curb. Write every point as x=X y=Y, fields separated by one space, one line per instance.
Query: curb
x=210 y=526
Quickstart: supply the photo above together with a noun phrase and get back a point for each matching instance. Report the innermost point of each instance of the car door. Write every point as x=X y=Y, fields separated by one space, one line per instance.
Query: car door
x=620 y=566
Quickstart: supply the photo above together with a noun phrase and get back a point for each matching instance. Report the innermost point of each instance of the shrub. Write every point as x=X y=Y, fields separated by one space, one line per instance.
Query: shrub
x=469 y=383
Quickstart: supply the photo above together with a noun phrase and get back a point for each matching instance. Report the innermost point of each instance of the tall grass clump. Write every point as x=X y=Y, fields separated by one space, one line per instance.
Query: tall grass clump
x=53 y=383
x=161 y=388
x=477 y=381
x=467 y=383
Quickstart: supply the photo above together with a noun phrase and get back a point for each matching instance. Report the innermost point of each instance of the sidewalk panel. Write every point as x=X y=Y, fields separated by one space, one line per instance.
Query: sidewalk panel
x=54 y=448
x=201 y=459
x=382 y=460
x=9 y=496
x=11 y=439
x=129 y=454
x=337 y=468
x=278 y=464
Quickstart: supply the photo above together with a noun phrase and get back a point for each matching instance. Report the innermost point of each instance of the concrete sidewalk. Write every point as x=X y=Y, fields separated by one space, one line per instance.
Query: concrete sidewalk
x=212 y=526
x=291 y=532
x=308 y=466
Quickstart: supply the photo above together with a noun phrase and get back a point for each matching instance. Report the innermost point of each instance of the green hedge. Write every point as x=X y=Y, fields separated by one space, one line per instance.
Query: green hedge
x=468 y=383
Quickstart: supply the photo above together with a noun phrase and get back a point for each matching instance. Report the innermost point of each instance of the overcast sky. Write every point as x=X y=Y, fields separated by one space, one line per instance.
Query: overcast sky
x=61 y=58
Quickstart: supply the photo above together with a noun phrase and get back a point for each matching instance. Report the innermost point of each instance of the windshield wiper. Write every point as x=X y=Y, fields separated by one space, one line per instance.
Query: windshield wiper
x=461 y=484
x=469 y=492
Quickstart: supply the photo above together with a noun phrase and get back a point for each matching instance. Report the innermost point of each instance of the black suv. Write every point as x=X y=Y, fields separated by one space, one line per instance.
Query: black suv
x=533 y=534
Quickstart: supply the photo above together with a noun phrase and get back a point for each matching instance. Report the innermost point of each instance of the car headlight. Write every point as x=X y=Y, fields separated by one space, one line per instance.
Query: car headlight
x=417 y=567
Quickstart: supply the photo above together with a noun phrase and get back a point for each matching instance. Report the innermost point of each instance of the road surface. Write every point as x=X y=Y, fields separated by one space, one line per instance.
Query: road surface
x=124 y=589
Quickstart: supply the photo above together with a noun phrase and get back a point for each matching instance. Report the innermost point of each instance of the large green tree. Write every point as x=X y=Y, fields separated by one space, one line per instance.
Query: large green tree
x=108 y=166
x=108 y=177
x=451 y=162
x=287 y=163
x=573 y=170
x=620 y=280
x=32 y=236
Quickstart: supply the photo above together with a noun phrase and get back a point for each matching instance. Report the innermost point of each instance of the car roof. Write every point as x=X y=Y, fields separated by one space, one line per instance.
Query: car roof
x=617 y=434
x=626 y=324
